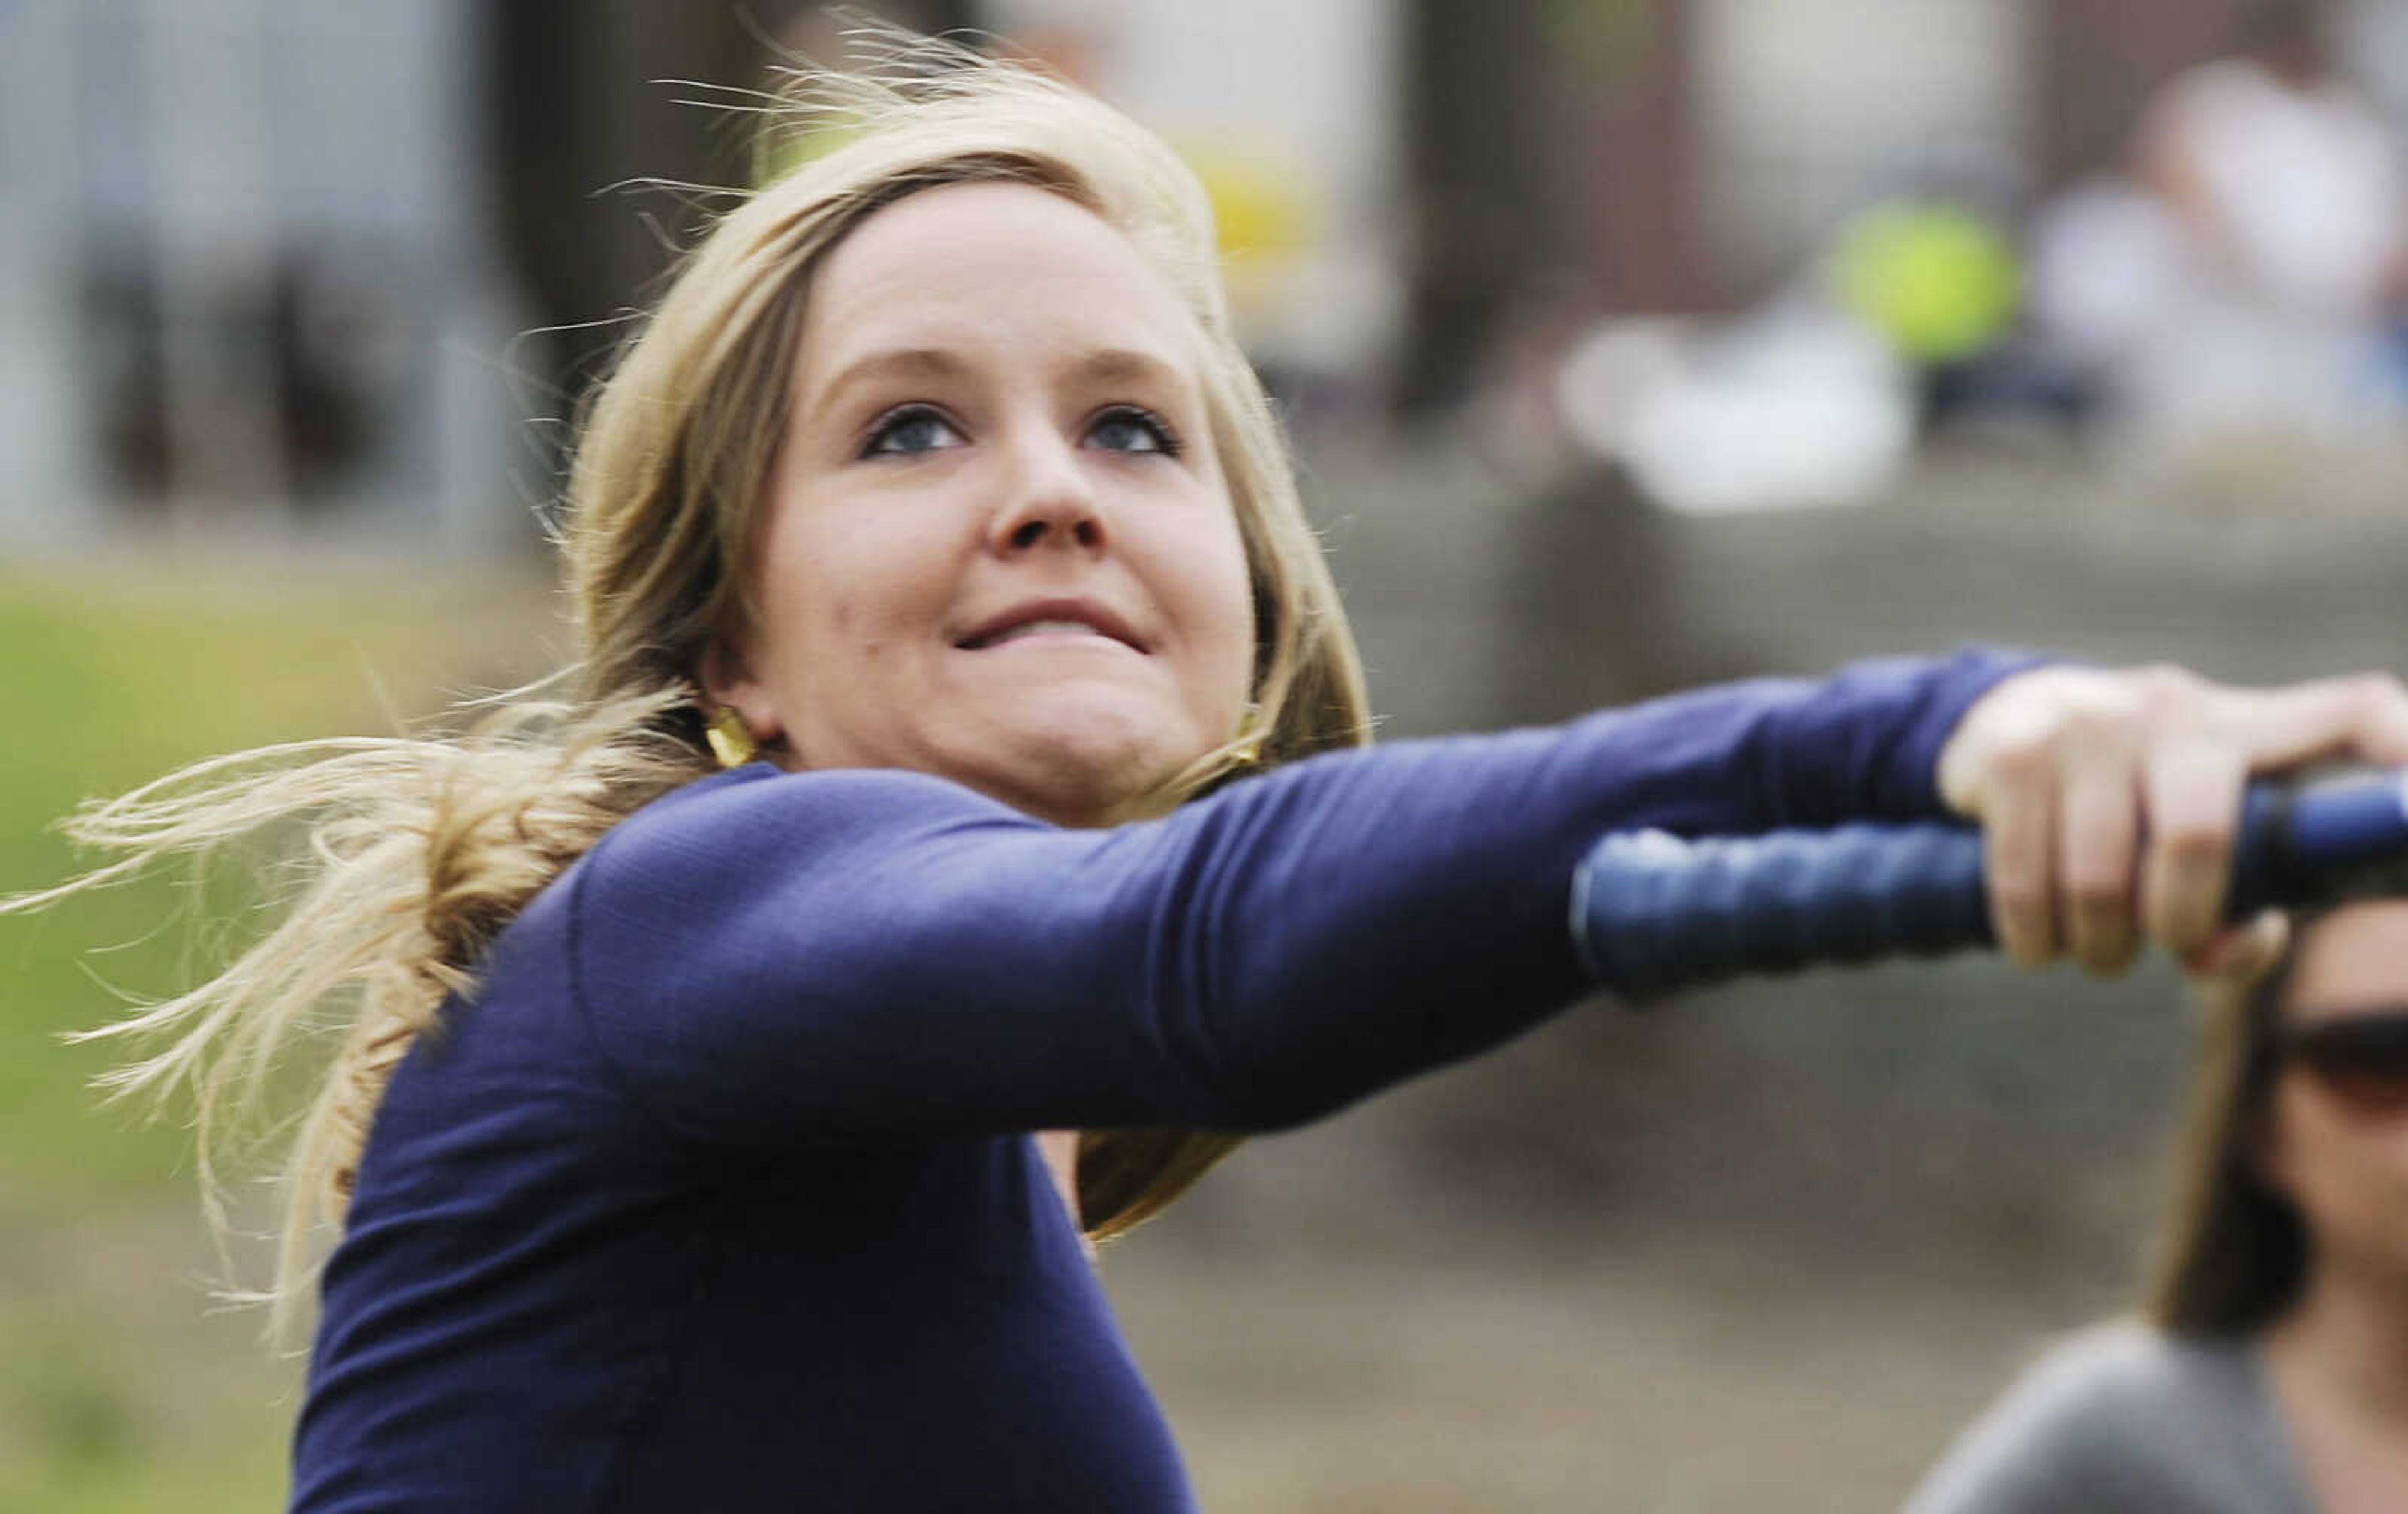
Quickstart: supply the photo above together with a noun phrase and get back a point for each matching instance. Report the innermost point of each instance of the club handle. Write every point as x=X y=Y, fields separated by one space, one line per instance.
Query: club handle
x=1654 y=914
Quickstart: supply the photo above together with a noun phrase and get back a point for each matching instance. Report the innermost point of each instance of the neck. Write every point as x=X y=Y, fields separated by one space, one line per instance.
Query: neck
x=2347 y=1340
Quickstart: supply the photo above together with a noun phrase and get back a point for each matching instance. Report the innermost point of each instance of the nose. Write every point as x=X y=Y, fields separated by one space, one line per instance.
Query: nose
x=1049 y=501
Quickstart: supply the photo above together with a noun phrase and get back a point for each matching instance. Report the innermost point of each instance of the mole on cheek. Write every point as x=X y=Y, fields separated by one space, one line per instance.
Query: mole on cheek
x=851 y=627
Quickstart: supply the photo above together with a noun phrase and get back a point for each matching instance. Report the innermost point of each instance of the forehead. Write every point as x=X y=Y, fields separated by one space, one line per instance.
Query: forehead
x=2354 y=958
x=1001 y=268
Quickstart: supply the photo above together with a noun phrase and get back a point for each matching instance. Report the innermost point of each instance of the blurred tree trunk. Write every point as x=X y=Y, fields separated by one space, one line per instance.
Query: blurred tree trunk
x=574 y=109
x=1479 y=155
x=2100 y=62
x=1636 y=160
x=576 y=105
x=1551 y=152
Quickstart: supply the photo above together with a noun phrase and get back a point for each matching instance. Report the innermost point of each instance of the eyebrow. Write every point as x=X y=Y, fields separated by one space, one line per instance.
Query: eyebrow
x=1109 y=365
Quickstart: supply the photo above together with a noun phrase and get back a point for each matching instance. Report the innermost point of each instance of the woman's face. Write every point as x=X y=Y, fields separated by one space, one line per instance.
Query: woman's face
x=998 y=545
x=2337 y=1144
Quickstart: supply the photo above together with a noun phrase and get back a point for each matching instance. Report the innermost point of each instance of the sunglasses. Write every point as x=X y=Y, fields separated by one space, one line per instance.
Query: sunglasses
x=2360 y=1060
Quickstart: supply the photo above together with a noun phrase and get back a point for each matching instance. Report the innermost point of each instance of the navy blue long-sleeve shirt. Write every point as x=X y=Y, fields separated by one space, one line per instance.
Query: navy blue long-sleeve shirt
x=719 y=1196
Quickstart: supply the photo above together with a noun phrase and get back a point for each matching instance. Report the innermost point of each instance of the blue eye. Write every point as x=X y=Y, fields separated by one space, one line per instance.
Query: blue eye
x=909 y=431
x=1129 y=428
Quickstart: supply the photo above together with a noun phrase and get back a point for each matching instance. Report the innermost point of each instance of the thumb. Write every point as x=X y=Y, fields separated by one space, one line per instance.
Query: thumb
x=2243 y=953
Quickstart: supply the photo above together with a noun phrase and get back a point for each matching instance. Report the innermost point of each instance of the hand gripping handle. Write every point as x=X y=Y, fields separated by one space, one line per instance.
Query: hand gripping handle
x=1654 y=914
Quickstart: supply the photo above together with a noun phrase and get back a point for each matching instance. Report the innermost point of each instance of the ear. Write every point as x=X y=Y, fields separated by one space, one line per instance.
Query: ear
x=725 y=670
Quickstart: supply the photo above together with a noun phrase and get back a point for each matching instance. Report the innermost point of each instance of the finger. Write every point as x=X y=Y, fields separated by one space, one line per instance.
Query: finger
x=2193 y=790
x=2242 y=954
x=2019 y=844
x=2099 y=832
x=2364 y=717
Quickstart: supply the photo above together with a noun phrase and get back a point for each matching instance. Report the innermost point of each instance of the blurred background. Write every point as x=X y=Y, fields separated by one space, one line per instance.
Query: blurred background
x=1625 y=343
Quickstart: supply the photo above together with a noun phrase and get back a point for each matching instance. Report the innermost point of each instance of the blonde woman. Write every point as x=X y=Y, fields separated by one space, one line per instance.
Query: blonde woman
x=939 y=573
x=2270 y=1373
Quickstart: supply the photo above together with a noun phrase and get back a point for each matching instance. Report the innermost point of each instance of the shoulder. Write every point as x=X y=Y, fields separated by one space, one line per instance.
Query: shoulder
x=2099 y=1380
x=749 y=813
x=753 y=857
x=758 y=795
x=2122 y=1358
x=2083 y=1422
x=2224 y=87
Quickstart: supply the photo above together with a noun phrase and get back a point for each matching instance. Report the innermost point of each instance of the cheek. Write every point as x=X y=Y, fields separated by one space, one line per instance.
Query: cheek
x=844 y=592
x=2348 y=1177
x=1232 y=596
x=846 y=617
x=1221 y=589
x=1223 y=613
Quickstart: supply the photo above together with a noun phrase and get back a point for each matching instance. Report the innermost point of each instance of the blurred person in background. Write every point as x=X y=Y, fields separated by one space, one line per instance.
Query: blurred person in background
x=2270 y=1372
x=2105 y=282
x=2284 y=187
x=949 y=841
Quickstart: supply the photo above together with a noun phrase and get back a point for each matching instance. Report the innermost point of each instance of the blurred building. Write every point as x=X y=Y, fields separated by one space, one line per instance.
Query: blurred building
x=244 y=283
x=1740 y=133
x=279 y=263
x=281 y=266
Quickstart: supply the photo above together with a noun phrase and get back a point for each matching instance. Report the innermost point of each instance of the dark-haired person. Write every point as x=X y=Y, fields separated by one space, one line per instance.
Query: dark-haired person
x=2269 y=1374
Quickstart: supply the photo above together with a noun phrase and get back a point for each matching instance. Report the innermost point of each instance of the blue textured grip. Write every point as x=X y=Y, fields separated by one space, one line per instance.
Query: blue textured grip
x=1653 y=914
x=1657 y=914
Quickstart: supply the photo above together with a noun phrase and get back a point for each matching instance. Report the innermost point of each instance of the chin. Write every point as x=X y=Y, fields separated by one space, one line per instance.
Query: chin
x=1085 y=767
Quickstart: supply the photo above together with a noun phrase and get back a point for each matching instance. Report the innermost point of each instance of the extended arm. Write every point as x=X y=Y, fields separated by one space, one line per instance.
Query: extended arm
x=880 y=955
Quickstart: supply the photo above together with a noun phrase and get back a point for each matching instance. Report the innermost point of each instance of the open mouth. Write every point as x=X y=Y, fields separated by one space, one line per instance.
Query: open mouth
x=1056 y=620
x=1026 y=629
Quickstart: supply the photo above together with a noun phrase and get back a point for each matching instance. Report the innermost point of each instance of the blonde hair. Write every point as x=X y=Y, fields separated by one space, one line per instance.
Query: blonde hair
x=421 y=850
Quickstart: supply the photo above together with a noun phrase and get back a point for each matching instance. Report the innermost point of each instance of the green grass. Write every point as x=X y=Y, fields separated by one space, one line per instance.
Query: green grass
x=120 y=1390
x=249 y=1473
x=122 y=1405
x=104 y=683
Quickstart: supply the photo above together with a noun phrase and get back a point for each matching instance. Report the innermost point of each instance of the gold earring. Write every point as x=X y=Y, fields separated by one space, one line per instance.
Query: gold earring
x=731 y=740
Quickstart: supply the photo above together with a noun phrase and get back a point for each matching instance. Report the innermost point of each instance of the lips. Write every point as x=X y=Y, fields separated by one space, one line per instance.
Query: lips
x=1050 y=617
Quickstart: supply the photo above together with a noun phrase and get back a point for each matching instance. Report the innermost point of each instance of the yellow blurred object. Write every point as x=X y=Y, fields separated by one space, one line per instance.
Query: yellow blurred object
x=1260 y=206
x=1939 y=283
x=778 y=153
x=731 y=740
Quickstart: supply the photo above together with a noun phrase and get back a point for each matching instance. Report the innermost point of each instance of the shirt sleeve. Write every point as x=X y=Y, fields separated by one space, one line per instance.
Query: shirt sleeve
x=770 y=958
x=2035 y=1451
